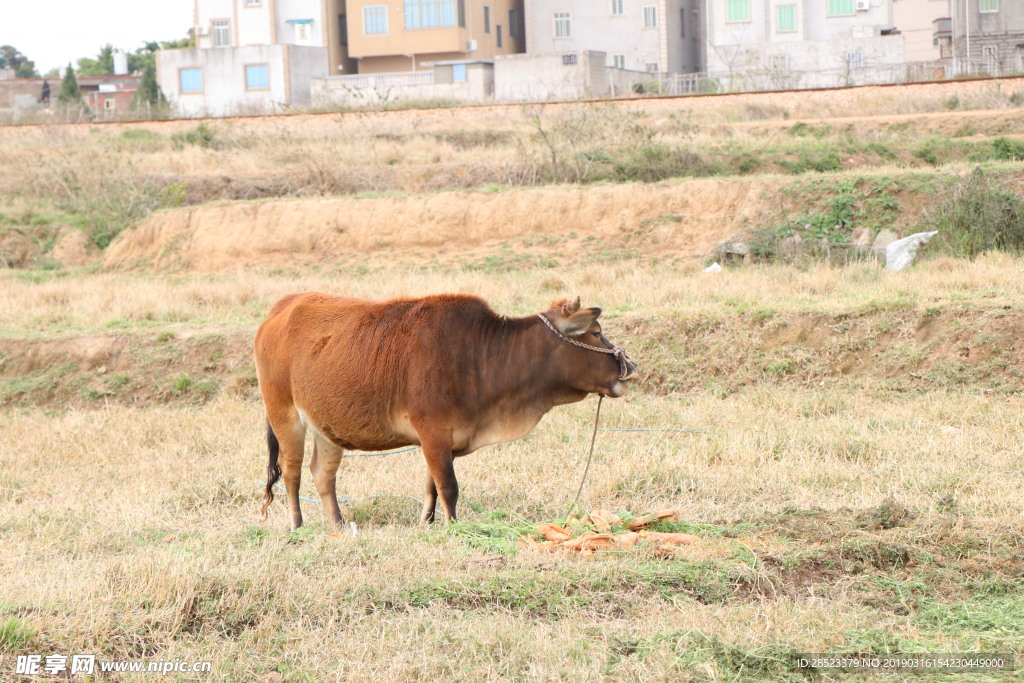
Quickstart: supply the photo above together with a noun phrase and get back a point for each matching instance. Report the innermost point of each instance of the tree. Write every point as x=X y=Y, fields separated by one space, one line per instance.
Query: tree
x=70 y=96
x=22 y=65
x=148 y=92
x=103 y=65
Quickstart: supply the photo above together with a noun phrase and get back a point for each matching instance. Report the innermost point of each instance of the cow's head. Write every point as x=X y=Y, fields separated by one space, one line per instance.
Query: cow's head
x=587 y=369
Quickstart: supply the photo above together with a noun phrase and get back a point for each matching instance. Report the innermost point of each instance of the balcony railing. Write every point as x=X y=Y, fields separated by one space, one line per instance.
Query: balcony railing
x=378 y=81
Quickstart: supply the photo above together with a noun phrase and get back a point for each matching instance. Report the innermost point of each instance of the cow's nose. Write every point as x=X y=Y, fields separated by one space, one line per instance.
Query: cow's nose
x=631 y=371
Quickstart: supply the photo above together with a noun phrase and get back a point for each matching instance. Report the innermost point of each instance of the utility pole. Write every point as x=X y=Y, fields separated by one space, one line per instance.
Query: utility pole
x=967 y=32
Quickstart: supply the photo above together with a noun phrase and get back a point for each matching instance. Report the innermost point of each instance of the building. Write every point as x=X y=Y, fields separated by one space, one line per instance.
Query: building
x=388 y=36
x=255 y=56
x=308 y=23
x=657 y=36
x=991 y=32
x=770 y=44
x=916 y=20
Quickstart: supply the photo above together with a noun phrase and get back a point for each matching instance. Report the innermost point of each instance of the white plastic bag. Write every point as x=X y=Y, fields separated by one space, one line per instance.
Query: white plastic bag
x=901 y=253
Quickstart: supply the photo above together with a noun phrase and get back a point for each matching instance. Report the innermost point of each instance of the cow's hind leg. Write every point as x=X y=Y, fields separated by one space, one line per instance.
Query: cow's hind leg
x=291 y=434
x=429 y=500
x=326 y=458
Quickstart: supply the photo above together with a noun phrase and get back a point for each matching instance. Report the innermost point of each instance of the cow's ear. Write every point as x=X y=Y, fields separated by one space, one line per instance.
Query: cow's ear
x=570 y=307
x=578 y=322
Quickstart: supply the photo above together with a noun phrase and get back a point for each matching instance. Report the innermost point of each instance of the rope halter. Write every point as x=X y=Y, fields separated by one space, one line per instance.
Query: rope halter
x=617 y=351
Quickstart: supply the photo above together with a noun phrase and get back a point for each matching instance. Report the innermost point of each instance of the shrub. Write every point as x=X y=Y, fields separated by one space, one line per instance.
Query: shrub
x=979 y=216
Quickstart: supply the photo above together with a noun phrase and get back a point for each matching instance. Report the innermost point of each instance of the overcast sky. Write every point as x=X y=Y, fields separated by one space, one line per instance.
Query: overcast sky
x=55 y=32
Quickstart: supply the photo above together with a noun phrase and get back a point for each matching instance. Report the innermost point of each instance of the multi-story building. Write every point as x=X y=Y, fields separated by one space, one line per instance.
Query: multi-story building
x=991 y=32
x=658 y=36
x=311 y=23
x=411 y=35
x=760 y=44
x=252 y=56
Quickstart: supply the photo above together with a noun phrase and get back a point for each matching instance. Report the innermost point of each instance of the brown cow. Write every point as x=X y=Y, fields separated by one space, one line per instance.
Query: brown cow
x=443 y=372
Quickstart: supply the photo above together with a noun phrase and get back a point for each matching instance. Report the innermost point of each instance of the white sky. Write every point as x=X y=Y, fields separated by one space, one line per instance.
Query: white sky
x=55 y=32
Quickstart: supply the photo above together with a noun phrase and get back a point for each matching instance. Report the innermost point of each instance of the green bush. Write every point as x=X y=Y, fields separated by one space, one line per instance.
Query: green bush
x=980 y=215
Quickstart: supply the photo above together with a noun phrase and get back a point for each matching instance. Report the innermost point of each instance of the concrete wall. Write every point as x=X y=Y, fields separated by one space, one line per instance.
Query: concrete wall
x=595 y=28
x=375 y=89
x=539 y=77
x=290 y=68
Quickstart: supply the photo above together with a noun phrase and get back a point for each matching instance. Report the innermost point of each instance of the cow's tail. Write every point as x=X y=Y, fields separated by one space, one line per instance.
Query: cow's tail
x=273 y=469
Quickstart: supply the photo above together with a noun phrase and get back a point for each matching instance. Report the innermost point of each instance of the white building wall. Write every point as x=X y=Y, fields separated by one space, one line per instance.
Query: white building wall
x=821 y=52
x=290 y=68
x=300 y=9
x=595 y=28
x=254 y=23
x=540 y=77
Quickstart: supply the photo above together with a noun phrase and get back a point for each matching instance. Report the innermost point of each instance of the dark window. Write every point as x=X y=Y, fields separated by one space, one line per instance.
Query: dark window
x=682 y=23
x=462 y=13
x=569 y=59
x=497 y=27
x=513 y=24
x=487 y=18
x=343 y=29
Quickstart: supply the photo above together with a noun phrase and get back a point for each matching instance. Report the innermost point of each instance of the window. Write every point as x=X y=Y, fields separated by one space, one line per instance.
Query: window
x=990 y=54
x=650 y=17
x=221 y=33
x=191 y=80
x=256 y=77
x=617 y=7
x=110 y=104
x=682 y=23
x=253 y=3
x=513 y=23
x=303 y=33
x=462 y=13
x=651 y=67
x=569 y=59
x=497 y=28
x=619 y=61
x=780 y=62
x=739 y=10
x=343 y=29
x=563 y=24
x=458 y=73
x=855 y=60
x=487 y=18
x=375 y=20
x=838 y=8
x=429 y=13
x=785 y=18
x=988 y=5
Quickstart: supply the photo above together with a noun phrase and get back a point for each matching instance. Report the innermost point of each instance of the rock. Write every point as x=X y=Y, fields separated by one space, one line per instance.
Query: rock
x=791 y=246
x=884 y=239
x=713 y=268
x=861 y=237
x=738 y=248
x=73 y=248
x=901 y=253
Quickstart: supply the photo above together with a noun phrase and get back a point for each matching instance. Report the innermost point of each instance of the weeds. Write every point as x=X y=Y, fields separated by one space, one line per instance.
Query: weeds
x=979 y=215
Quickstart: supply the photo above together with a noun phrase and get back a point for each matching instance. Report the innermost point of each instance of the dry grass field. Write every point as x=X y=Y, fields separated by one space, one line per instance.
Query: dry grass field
x=851 y=456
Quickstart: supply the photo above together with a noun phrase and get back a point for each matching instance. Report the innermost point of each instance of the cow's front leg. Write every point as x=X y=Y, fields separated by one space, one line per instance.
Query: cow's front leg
x=429 y=500
x=437 y=449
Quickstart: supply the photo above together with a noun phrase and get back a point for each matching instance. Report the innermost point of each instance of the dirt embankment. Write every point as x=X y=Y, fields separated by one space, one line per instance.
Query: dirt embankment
x=903 y=350
x=217 y=237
